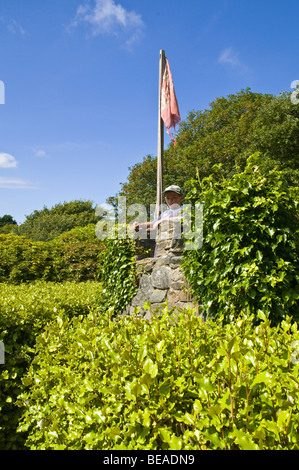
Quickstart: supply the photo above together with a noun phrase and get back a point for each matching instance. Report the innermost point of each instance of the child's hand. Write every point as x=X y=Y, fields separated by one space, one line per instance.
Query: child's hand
x=157 y=223
x=136 y=226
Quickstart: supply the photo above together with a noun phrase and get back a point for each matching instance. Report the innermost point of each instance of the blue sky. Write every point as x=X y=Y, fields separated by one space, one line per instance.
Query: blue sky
x=81 y=83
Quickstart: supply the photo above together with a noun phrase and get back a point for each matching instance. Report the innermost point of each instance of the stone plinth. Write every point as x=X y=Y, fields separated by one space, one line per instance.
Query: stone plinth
x=161 y=278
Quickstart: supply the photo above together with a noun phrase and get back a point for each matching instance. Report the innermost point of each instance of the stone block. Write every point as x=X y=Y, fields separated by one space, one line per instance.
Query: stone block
x=161 y=277
x=177 y=274
x=175 y=296
x=145 y=265
x=145 y=284
x=177 y=245
x=177 y=285
x=158 y=296
x=175 y=261
x=163 y=260
x=163 y=246
x=185 y=305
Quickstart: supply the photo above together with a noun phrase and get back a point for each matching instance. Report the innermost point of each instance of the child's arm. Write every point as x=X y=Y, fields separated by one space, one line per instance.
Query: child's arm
x=138 y=226
x=166 y=218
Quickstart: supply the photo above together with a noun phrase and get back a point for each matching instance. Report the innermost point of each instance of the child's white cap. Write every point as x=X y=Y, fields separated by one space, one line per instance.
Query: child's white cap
x=174 y=188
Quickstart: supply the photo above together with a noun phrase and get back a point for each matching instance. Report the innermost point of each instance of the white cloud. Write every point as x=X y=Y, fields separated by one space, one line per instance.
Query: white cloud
x=15 y=183
x=230 y=58
x=40 y=153
x=7 y=161
x=107 y=17
x=15 y=28
x=12 y=26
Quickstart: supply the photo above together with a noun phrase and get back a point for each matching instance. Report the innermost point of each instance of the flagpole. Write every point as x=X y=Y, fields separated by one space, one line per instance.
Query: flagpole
x=160 y=140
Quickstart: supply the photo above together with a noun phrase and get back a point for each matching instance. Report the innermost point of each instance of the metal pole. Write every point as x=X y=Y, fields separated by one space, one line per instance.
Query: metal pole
x=160 y=140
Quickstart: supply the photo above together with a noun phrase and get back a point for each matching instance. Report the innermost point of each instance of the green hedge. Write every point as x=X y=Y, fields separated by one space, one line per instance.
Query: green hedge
x=22 y=260
x=249 y=259
x=78 y=251
x=25 y=310
x=172 y=383
x=73 y=256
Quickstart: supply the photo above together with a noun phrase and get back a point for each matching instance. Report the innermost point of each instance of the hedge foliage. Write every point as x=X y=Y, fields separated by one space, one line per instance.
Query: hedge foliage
x=22 y=260
x=249 y=259
x=174 y=382
x=25 y=310
x=117 y=273
x=78 y=252
x=72 y=256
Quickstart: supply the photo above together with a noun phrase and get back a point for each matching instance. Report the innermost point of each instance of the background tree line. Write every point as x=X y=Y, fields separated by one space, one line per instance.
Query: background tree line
x=233 y=128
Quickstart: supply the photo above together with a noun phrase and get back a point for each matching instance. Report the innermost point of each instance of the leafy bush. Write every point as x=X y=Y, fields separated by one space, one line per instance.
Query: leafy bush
x=249 y=259
x=24 y=312
x=22 y=260
x=117 y=273
x=172 y=383
x=73 y=256
x=78 y=252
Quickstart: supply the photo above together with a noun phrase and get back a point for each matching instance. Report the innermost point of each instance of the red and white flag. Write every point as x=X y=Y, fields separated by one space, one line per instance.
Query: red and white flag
x=169 y=106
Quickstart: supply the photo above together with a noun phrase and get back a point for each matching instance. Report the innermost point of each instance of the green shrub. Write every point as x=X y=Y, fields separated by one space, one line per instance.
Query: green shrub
x=172 y=383
x=22 y=260
x=78 y=251
x=73 y=256
x=117 y=273
x=25 y=310
x=249 y=259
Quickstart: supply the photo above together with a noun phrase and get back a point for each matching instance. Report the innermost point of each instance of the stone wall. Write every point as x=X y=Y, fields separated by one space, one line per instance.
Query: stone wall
x=161 y=278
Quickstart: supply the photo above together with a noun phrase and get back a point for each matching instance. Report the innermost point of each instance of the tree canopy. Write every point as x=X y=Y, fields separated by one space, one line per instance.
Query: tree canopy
x=46 y=224
x=228 y=132
x=7 y=220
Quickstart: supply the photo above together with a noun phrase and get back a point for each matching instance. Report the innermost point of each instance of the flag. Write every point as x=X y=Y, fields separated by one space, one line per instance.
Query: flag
x=169 y=106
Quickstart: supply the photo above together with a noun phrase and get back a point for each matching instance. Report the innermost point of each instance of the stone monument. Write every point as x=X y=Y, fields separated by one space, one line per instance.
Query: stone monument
x=161 y=278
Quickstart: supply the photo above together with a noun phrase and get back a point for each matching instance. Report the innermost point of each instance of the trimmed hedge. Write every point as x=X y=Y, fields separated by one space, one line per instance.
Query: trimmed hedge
x=172 y=383
x=22 y=260
x=72 y=256
x=25 y=310
x=79 y=251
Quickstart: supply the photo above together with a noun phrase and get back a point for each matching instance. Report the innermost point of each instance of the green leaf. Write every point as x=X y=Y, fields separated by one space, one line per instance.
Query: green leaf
x=165 y=435
x=146 y=418
x=243 y=440
x=263 y=377
x=175 y=443
x=150 y=368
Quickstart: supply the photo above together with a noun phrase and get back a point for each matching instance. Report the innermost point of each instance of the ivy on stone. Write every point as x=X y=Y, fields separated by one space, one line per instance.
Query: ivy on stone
x=249 y=260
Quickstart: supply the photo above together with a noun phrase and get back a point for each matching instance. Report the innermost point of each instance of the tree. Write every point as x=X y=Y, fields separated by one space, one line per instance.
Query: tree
x=220 y=134
x=47 y=224
x=276 y=136
x=141 y=185
x=7 y=219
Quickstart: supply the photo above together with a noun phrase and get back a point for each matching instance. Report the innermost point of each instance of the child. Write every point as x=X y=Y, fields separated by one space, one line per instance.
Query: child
x=173 y=198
